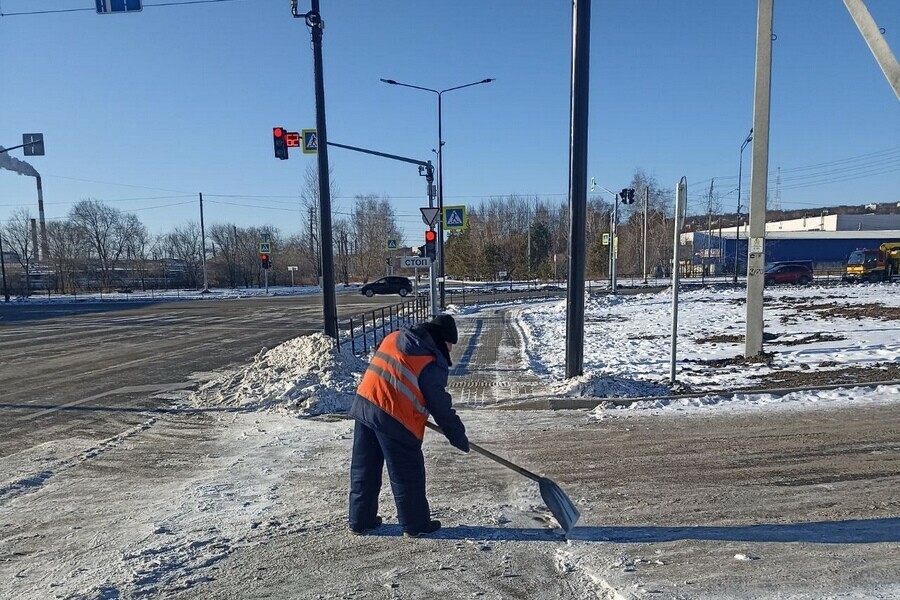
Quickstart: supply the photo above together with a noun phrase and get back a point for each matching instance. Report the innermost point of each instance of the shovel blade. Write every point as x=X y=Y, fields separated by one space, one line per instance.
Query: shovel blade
x=562 y=509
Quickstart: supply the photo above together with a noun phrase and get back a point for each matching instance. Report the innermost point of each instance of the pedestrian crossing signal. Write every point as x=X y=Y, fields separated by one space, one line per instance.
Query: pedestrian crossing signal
x=265 y=260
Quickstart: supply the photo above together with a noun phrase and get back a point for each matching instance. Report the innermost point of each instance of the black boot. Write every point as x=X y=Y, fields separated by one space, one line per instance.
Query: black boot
x=431 y=527
x=362 y=530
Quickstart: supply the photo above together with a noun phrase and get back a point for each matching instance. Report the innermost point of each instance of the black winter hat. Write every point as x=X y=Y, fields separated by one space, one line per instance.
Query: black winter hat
x=444 y=327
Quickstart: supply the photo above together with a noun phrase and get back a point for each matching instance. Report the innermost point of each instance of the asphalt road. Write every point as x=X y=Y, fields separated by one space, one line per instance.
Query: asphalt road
x=94 y=369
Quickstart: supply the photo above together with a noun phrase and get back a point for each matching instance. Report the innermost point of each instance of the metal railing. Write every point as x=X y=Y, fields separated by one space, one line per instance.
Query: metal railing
x=362 y=330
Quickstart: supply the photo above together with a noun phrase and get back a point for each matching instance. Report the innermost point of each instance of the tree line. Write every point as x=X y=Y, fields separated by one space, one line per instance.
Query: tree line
x=99 y=247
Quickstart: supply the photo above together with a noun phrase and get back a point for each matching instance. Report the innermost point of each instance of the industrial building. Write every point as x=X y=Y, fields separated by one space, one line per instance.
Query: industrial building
x=825 y=240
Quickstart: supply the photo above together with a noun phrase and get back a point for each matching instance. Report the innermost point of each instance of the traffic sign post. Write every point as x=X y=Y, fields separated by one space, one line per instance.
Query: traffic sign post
x=455 y=218
x=105 y=7
x=415 y=262
x=310 y=141
x=292 y=268
x=33 y=144
x=429 y=215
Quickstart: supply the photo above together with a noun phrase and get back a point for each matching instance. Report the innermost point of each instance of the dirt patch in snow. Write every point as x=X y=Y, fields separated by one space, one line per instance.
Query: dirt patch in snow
x=888 y=371
x=764 y=358
x=856 y=311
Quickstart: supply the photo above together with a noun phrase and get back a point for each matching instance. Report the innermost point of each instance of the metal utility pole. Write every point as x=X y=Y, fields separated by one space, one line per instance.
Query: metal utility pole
x=578 y=153
x=3 y=270
x=439 y=247
x=759 y=181
x=646 y=208
x=203 y=241
x=614 y=247
x=329 y=301
x=426 y=169
x=705 y=259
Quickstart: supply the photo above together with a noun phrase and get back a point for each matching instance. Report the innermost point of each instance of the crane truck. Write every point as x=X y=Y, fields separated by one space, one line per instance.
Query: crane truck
x=882 y=264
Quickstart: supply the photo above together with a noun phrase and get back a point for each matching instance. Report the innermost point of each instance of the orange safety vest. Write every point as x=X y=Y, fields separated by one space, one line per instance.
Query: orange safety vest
x=392 y=383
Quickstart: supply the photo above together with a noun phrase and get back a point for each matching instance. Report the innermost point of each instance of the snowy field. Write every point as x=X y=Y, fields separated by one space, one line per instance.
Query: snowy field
x=243 y=494
x=814 y=336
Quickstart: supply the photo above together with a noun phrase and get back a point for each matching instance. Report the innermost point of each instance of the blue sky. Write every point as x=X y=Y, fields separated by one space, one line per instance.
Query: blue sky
x=144 y=110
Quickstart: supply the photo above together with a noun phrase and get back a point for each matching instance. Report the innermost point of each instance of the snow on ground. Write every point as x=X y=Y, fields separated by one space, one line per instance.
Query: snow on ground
x=185 y=503
x=170 y=295
x=627 y=338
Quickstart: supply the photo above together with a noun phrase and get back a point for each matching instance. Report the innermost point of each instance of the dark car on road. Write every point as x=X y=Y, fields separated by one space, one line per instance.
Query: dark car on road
x=789 y=273
x=388 y=285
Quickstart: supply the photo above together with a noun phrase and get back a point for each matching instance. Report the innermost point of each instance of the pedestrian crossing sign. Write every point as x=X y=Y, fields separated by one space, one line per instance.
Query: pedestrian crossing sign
x=455 y=218
x=392 y=244
x=310 y=141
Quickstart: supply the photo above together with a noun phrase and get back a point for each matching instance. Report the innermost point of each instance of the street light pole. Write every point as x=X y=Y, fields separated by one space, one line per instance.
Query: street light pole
x=737 y=228
x=439 y=250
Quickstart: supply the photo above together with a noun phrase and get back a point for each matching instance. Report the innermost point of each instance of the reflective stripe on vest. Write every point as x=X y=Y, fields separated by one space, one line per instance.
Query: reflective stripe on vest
x=392 y=383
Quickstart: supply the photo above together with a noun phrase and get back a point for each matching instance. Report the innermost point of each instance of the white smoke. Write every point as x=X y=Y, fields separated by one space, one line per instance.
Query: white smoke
x=17 y=166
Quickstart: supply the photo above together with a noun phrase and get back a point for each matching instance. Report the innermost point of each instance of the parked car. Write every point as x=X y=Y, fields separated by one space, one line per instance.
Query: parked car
x=388 y=285
x=788 y=273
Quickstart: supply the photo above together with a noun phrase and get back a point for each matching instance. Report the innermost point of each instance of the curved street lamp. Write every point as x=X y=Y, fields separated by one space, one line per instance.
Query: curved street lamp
x=737 y=229
x=440 y=153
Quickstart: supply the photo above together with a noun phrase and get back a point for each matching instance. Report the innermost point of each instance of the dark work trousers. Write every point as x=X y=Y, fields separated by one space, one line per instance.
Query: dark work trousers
x=406 y=471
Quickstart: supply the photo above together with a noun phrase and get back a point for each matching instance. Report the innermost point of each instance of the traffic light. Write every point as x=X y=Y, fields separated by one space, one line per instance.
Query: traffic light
x=630 y=195
x=265 y=260
x=624 y=195
x=281 y=149
x=430 y=242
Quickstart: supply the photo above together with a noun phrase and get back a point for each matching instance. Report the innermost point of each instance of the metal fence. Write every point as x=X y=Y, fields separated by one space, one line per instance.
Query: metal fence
x=366 y=330
x=363 y=329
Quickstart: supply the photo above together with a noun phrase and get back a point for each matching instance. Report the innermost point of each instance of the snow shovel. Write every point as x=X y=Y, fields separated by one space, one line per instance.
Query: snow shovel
x=556 y=500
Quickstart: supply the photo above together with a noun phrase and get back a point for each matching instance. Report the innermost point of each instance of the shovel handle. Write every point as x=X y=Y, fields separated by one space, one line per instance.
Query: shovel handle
x=492 y=456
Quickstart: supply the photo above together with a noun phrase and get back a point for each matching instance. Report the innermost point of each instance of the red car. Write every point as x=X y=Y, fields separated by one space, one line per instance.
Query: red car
x=800 y=274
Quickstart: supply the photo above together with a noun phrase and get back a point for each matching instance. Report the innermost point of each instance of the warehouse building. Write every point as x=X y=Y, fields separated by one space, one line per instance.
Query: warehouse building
x=825 y=240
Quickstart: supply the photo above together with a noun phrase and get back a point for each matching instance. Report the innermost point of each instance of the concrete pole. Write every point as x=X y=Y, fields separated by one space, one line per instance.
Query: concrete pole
x=876 y=42
x=646 y=208
x=680 y=204
x=759 y=181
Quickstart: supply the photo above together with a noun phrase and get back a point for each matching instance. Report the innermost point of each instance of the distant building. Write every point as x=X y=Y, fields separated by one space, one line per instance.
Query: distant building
x=826 y=240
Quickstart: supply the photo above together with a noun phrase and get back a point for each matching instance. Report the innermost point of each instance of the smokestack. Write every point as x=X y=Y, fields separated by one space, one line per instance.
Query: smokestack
x=34 y=245
x=45 y=246
x=23 y=168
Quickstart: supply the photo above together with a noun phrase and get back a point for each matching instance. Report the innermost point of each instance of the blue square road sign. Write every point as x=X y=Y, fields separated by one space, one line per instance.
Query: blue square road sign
x=118 y=6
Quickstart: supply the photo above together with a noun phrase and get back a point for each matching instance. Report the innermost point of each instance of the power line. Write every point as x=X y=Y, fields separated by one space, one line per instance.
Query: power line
x=71 y=10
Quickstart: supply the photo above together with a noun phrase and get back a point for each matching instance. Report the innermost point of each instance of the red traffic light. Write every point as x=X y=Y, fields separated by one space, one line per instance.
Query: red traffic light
x=277 y=132
x=430 y=235
x=264 y=257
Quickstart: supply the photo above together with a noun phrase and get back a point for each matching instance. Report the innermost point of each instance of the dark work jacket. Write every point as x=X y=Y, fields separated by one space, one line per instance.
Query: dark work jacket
x=433 y=384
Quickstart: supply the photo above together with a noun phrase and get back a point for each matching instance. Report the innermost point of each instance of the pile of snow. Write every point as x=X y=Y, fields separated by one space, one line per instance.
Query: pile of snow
x=598 y=385
x=306 y=376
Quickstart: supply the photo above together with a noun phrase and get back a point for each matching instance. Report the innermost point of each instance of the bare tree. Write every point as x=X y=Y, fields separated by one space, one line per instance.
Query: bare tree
x=374 y=222
x=184 y=244
x=309 y=201
x=17 y=234
x=107 y=231
x=68 y=253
